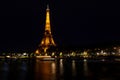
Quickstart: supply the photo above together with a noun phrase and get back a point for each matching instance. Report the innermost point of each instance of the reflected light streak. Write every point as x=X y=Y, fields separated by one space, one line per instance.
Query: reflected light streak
x=45 y=70
x=42 y=70
x=85 y=66
x=61 y=67
x=5 y=71
x=53 y=68
x=73 y=68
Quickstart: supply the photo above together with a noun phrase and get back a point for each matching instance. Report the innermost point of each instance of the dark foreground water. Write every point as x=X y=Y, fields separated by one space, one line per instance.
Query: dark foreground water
x=59 y=70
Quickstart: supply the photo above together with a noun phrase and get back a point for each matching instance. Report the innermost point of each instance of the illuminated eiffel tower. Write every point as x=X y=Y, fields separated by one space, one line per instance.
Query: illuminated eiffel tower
x=47 y=40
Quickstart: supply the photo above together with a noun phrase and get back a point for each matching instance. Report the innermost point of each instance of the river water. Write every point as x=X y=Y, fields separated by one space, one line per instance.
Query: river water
x=59 y=70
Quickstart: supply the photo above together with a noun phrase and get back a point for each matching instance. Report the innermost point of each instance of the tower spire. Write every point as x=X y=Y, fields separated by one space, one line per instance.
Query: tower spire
x=47 y=6
x=47 y=24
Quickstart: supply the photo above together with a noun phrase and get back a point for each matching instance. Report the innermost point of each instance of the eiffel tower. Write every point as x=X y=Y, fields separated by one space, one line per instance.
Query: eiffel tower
x=47 y=40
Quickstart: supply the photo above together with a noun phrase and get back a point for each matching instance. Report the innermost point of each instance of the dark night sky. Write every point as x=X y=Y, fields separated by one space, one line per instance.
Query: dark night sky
x=73 y=22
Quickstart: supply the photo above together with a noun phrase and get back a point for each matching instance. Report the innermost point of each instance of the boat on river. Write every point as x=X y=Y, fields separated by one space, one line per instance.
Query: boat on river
x=45 y=58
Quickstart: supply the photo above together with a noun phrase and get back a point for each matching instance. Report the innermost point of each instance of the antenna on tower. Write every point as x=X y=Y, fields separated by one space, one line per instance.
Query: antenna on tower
x=47 y=6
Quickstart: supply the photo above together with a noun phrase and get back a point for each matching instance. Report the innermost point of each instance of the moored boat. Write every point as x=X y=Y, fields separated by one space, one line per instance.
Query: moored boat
x=45 y=58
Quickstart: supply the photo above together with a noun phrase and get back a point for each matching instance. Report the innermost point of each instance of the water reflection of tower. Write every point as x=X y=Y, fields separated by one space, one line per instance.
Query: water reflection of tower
x=47 y=40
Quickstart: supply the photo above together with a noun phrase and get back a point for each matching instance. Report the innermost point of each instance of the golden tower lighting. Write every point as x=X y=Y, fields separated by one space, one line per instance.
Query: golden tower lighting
x=47 y=40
